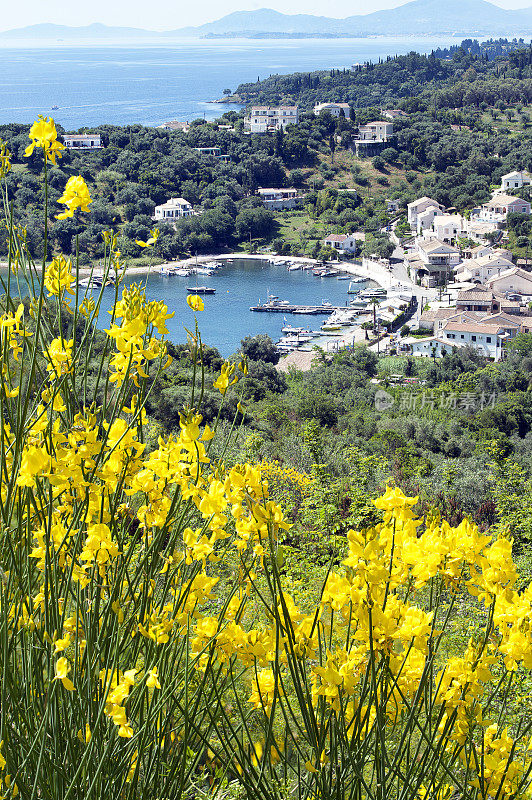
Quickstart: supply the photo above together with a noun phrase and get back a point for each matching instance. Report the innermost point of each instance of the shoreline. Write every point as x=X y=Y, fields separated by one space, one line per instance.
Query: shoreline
x=344 y=266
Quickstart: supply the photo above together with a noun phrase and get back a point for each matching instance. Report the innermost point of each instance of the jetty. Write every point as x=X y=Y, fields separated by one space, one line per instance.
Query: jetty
x=277 y=307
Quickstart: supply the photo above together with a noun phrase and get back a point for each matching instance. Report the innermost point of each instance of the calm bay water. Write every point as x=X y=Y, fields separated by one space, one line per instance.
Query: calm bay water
x=151 y=84
x=227 y=318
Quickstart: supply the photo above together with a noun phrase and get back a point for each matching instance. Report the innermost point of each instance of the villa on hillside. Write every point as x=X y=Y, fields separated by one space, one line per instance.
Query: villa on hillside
x=334 y=109
x=426 y=219
x=279 y=199
x=515 y=180
x=215 y=152
x=372 y=137
x=488 y=338
x=175 y=125
x=379 y=131
x=447 y=227
x=394 y=113
x=418 y=207
x=174 y=209
x=498 y=208
x=341 y=241
x=264 y=119
x=82 y=141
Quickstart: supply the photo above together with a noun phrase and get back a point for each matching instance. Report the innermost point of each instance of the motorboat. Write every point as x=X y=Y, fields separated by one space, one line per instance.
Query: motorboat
x=201 y=289
x=293 y=268
x=341 y=277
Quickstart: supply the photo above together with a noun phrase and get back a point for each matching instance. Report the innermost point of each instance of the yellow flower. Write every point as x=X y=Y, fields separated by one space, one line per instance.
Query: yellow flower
x=62 y=668
x=5 y=163
x=58 y=276
x=152 y=681
x=43 y=134
x=195 y=302
x=76 y=195
x=153 y=238
x=61 y=644
x=394 y=498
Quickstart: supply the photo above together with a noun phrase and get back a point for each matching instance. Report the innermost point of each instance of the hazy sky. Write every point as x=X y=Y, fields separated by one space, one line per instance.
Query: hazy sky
x=168 y=14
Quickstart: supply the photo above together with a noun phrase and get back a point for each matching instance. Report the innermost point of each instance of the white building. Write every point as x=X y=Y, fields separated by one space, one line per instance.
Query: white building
x=488 y=338
x=82 y=141
x=515 y=180
x=512 y=280
x=426 y=218
x=173 y=209
x=264 y=119
x=379 y=131
x=500 y=205
x=418 y=207
x=334 y=109
x=346 y=243
x=394 y=113
x=215 y=152
x=447 y=227
x=279 y=198
x=479 y=270
x=432 y=263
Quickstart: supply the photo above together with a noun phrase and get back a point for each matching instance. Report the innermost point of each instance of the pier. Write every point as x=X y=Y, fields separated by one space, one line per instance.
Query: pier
x=292 y=308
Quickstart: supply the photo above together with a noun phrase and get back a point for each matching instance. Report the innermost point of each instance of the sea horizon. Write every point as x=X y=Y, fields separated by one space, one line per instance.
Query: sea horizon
x=153 y=83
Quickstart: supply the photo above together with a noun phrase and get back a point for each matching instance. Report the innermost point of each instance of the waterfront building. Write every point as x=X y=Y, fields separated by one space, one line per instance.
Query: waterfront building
x=432 y=263
x=341 y=241
x=82 y=141
x=265 y=119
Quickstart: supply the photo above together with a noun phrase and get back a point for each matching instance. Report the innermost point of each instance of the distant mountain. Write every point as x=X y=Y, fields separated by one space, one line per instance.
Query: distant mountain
x=418 y=17
x=47 y=30
x=461 y=17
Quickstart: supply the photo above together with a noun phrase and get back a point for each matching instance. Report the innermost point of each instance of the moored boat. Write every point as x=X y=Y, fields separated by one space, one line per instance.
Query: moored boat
x=201 y=290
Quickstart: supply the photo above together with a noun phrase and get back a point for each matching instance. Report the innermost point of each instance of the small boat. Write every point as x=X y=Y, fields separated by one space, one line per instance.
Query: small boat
x=290 y=329
x=203 y=271
x=343 y=277
x=91 y=283
x=55 y=108
x=294 y=268
x=201 y=289
x=329 y=273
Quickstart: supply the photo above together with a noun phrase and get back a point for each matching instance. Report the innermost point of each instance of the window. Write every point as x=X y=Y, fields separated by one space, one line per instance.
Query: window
x=473 y=338
x=461 y=336
x=488 y=339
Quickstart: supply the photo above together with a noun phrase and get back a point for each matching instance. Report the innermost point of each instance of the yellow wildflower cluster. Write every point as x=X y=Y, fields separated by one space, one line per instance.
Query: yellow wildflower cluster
x=276 y=474
x=58 y=276
x=135 y=343
x=43 y=134
x=76 y=195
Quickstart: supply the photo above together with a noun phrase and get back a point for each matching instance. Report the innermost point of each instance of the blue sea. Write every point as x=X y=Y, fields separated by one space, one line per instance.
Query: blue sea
x=151 y=84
